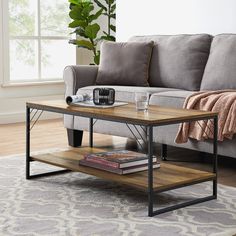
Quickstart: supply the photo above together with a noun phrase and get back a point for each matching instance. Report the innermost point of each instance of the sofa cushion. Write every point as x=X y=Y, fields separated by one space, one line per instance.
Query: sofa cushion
x=220 y=72
x=125 y=93
x=178 y=61
x=173 y=99
x=125 y=63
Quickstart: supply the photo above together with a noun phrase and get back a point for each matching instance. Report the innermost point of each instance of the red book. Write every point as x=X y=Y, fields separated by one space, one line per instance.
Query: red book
x=119 y=159
x=123 y=171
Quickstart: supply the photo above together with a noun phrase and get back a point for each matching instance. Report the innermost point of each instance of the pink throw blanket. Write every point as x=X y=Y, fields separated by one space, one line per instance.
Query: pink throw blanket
x=223 y=102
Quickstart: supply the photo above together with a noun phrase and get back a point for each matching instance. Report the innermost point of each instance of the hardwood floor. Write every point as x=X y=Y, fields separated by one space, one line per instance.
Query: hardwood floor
x=52 y=134
x=45 y=135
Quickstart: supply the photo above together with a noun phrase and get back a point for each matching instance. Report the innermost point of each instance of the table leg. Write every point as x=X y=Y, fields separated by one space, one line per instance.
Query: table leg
x=151 y=211
x=150 y=171
x=91 y=132
x=28 y=157
x=27 y=143
x=215 y=155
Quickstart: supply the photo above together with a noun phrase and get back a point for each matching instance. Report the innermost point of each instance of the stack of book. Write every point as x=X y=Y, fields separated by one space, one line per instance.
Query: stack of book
x=119 y=162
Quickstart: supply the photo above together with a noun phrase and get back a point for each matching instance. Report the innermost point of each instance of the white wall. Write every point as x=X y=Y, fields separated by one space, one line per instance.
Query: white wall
x=136 y=17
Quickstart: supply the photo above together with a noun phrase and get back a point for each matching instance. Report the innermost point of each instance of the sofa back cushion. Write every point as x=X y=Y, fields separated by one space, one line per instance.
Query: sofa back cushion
x=220 y=72
x=124 y=63
x=178 y=61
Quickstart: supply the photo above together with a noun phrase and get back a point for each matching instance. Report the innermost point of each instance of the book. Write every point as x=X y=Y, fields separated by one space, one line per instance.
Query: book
x=128 y=170
x=119 y=159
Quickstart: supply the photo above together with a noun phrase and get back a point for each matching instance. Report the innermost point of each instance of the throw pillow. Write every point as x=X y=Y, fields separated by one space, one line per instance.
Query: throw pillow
x=178 y=61
x=220 y=72
x=124 y=63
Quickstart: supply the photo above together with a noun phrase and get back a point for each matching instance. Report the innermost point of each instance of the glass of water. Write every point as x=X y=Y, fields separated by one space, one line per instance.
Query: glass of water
x=141 y=101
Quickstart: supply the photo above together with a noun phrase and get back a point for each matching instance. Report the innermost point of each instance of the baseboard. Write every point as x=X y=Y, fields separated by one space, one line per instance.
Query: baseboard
x=15 y=117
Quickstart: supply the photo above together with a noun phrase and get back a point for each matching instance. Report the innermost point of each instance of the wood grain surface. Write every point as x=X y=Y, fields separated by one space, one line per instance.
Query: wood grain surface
x=156 y=115
x=166 y=177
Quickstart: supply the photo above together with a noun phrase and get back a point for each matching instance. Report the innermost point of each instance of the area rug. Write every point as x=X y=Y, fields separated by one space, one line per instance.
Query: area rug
x=75 y=204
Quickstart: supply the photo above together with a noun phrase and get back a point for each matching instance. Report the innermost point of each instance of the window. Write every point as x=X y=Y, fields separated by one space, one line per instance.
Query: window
x=36 y=40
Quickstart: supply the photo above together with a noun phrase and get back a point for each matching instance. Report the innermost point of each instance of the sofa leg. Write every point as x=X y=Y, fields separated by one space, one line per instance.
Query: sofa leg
x=74 y=137
x=164 y=152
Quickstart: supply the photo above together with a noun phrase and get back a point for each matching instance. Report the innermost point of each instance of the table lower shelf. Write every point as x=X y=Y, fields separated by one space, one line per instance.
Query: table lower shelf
x=167 y=177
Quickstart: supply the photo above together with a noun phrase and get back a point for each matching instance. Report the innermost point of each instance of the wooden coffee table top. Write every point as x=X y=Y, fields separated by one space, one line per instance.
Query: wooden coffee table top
x=156 y=115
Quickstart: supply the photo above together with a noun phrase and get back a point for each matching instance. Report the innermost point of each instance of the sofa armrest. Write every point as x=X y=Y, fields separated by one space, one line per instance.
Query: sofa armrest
x=78 y=76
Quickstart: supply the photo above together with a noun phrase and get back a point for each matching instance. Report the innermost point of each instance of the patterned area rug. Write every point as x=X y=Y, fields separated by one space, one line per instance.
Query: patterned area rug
x=75 y=204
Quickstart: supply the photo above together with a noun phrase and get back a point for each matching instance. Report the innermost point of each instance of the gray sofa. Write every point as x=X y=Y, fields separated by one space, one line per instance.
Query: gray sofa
x=180 y=65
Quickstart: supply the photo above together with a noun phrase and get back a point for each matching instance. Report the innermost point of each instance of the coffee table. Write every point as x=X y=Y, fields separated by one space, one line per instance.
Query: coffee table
x=152 y=181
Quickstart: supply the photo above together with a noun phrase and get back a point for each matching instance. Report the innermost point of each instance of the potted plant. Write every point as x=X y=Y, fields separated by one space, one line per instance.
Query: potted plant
x=110 y=12
x=85 y=26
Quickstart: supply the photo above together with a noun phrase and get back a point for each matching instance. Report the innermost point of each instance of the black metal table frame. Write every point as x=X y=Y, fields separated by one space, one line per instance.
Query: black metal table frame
x=149 y=128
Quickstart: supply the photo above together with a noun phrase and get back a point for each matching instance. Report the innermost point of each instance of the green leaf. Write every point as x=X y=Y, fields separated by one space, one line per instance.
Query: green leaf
x=78 y=2
x=113 y=16
x=81 y=11
x=85 y=44
x=96 y=58
x=110 y=15
x=109 y=2
x=73 y=41
x=92 y=30
x=77 y=23
x=113 y=8
x=112 y=27
x=81 y=32
x=86 y=10
x=71 y=6
x=75 y=13
x=95 y=16
x=100 y=5
x=73 y=2
x=108 y=38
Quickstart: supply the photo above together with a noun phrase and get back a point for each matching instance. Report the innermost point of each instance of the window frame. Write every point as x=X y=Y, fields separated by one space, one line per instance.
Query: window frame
x=6 y=50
